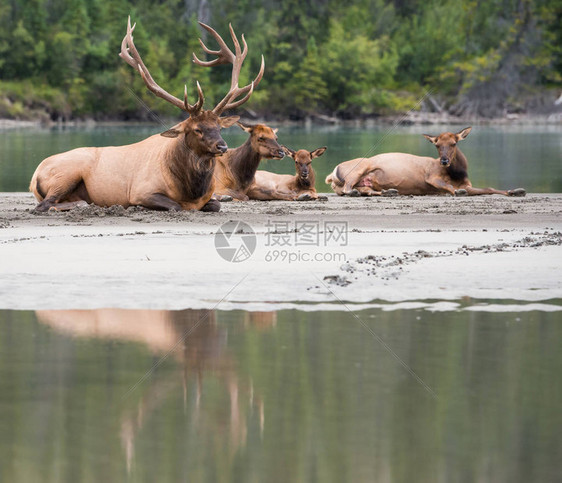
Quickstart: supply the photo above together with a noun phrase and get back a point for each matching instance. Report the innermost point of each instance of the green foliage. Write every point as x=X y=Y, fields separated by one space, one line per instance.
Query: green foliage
x=354 y=66
x=309 y=87
x=364 y=57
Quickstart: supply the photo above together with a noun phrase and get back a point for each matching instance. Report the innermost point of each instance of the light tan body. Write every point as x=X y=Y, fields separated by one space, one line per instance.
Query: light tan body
x=271 y=186
x=113 y=175
x=408 y=174
x=300 y=187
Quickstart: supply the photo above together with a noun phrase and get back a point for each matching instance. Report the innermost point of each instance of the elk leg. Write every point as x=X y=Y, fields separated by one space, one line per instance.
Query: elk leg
x=236 y=195
x=483 y=191
x=367 y=191
x=69 y=205
x=306 y=197
x=260 y=194
x=265 y=194
x=46 y=204
x=212 y=206
x=158 y=201
x=441 y=185
x=222 y=198
x=517 y=192
x=336 y=188
x=351 y=177
x=65 y=185
x=58 y=193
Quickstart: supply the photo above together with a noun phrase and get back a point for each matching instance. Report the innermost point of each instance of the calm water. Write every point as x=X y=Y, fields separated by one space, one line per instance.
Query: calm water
x=529 y=157
x=286 y=396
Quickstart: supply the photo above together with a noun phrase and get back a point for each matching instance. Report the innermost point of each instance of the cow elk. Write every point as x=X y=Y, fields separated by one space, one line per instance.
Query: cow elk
x=168 y=171
x=407 y=174
x=301 y=187
x=235 y=169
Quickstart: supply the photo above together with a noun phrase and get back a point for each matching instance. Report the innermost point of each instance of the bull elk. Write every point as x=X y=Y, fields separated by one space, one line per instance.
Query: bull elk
x=235 y=169
x=168 y=171
x=301 y=187
x=407 y=174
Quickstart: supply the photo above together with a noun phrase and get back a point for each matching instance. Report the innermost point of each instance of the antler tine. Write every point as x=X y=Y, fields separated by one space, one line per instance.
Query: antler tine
x=130 y=55
x=207 y=50
x=248 y=90
x=235 y=40
x=124 y=49
x=224 y=54
x=194 y=108
x=245 y=50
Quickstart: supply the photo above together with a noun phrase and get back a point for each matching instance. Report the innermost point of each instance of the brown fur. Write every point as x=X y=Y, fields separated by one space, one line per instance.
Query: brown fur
x=271 y=186
x=410 y=174
x=235 y=169
x=177 y=164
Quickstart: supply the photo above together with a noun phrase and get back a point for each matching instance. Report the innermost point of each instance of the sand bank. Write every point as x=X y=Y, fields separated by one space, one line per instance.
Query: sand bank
x=433 y=252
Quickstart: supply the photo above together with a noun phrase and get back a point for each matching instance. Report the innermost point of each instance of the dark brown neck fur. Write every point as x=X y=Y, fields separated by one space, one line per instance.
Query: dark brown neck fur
x=192 y=175
x=244 y=162
x=308 y=183
x=458 y=169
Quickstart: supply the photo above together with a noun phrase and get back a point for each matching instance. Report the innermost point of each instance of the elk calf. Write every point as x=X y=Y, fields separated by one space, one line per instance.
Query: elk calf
x=235 y=169
x=171 y=171
x=271 y=186
x=407 y=174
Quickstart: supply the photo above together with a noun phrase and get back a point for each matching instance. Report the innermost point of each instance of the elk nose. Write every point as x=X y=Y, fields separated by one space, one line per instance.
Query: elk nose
x=222 y=147
x=444 y=161
x=281 y=153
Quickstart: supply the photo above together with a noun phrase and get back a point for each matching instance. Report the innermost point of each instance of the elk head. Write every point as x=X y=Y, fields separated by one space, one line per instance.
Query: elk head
x=303 y=160
x=446 y=144
x=201 y=131
x=264 y=140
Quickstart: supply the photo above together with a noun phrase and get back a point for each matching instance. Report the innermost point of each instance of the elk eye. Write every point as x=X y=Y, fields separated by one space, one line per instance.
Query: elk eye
x=261 y=139
x=198 y=131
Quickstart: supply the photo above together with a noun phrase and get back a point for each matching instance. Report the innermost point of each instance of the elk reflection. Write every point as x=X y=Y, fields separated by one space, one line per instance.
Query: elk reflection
x=199 y=345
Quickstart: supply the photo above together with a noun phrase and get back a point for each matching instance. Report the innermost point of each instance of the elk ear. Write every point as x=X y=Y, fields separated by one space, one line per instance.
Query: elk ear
x=171 y=133
x=431 y=139
x=245 y=127
x=464 y=133
x=289 y=152
x=317 y=152
x=275 y=130
x=228 y=121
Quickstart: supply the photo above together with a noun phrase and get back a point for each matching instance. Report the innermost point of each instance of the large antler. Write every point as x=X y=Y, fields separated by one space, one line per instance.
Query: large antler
x=130 y=55
x=226 y=56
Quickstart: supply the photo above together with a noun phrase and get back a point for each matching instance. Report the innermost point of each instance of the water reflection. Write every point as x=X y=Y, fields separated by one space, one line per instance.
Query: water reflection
x=286 y=396
x=198 y=345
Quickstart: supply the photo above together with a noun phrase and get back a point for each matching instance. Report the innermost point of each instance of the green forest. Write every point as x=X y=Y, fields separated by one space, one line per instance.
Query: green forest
x=59 y=58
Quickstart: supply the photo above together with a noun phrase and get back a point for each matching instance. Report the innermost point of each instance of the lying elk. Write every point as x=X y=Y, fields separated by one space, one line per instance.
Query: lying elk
x=407 y=174
x=271 y=186
x=235 y=169
x=168 y=171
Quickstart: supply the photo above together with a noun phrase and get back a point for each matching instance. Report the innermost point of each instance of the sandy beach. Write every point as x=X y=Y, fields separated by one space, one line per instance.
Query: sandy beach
x=432 y=252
